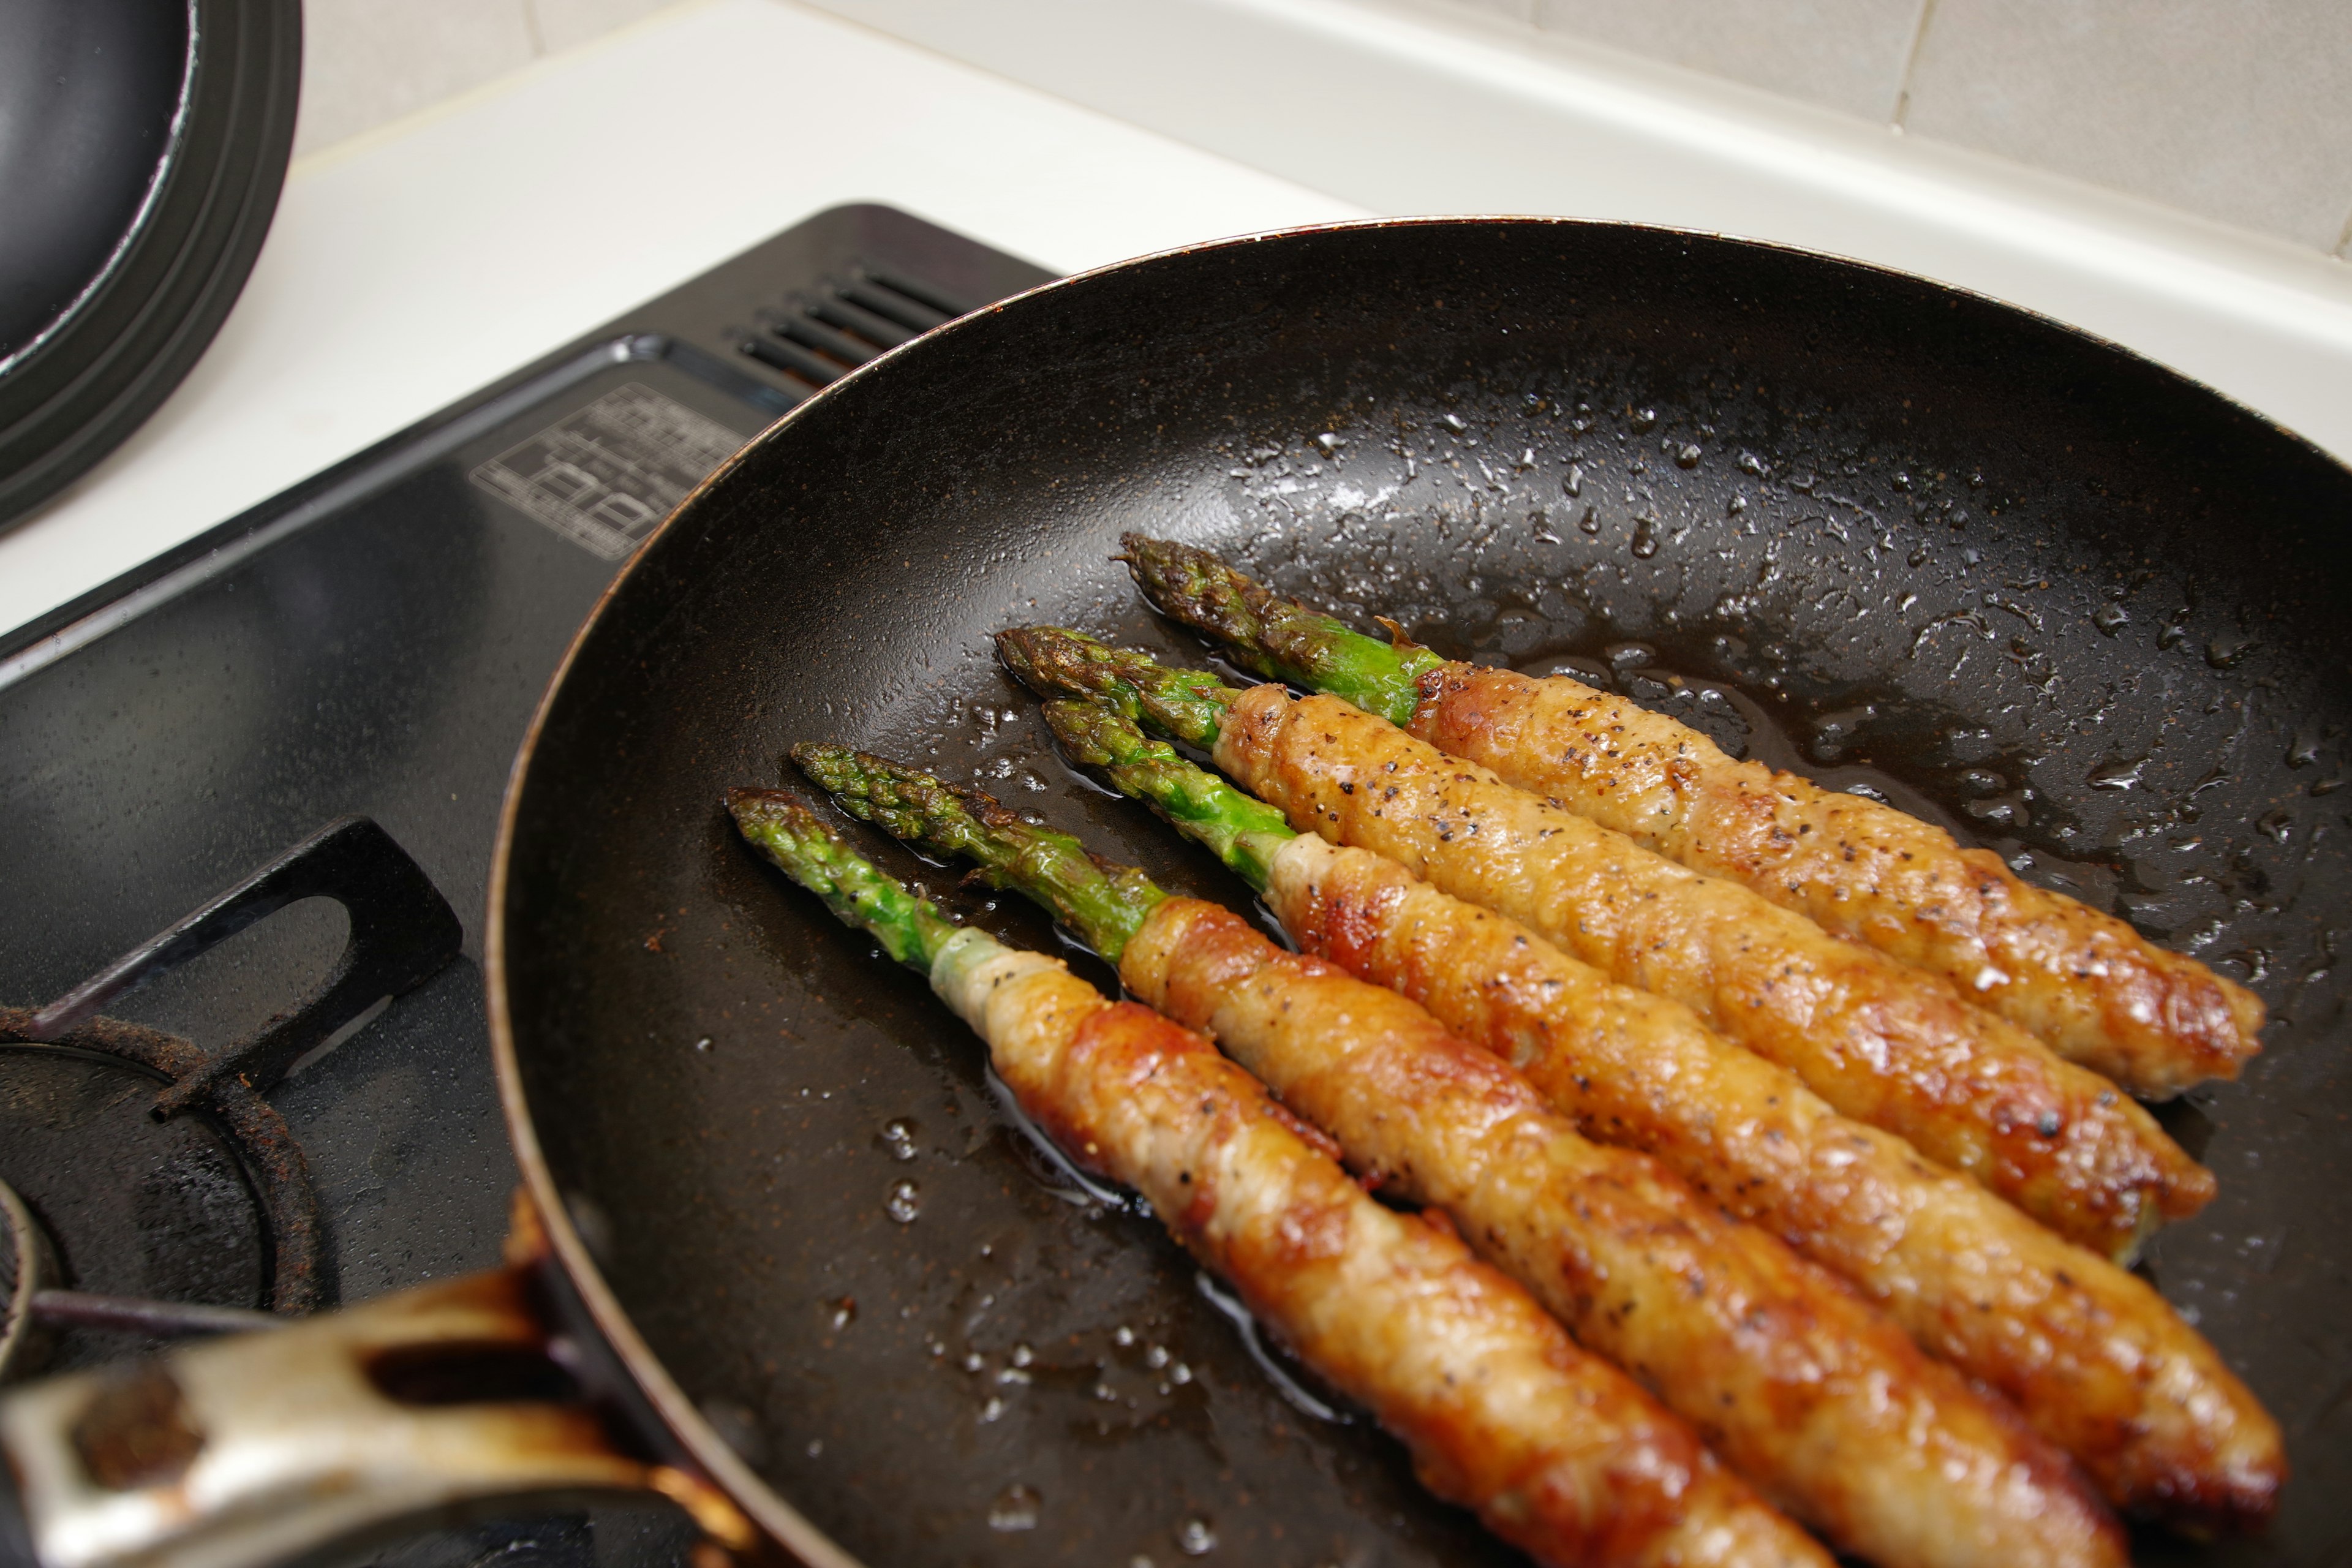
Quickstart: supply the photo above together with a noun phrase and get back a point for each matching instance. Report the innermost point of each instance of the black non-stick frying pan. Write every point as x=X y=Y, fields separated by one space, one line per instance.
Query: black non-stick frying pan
x=2079 y=609
x=1904 y=539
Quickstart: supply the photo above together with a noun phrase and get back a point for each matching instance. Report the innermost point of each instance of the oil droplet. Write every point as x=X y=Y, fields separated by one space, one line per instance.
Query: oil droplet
x=1688 y=455
x=703 y=1044
x=906 y=1201
x=2111 y=618
x=2303 y=749
x=1195 y=1537
x=1574 y=483
x=1630 y=656
x=2117 y=776
x=2278 y=826
x=1331 y=442
x=899 y=1137
x=842 y=1312
x=991 y=1410
x=2228 y=649
x=1834 y=734
x=1454 y=422
x=1645 y=420
x=1015 y=1508
x=1749 y=463
x=1590 y=522
x=1646 y=538
x=1023 y=1355
x=2004 y=813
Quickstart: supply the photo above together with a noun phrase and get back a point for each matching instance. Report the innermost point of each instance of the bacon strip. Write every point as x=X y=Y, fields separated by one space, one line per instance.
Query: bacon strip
x=1560 y=1453
x=1880 y=1042
x=2095 y=1360
x=1803 y=1387
x=2088 y=984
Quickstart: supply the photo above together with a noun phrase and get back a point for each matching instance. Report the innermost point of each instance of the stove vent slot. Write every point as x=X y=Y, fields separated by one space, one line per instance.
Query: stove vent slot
x=819 y=337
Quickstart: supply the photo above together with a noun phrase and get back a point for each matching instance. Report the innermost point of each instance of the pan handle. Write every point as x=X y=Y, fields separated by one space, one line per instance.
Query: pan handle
x=265 y=1446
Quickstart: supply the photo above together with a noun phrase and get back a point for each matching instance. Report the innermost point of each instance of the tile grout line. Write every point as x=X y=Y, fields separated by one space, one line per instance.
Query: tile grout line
x=1911 y=63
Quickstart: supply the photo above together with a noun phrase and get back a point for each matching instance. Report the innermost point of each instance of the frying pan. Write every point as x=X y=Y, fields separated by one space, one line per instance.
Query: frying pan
x=1904 y=539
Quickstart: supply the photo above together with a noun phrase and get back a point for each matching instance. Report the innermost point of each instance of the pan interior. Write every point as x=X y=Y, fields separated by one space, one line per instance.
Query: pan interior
x=1903 y=540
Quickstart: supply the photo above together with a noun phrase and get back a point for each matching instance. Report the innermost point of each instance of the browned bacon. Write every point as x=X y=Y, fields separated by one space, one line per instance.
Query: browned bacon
x=1559 y=1452
x=1880 y=1042
x=1805 y=1390
x=2089 y=985
x=2095 y=1360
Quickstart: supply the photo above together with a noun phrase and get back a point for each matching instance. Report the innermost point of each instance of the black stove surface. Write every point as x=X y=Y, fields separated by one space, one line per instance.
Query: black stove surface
x=374 y=642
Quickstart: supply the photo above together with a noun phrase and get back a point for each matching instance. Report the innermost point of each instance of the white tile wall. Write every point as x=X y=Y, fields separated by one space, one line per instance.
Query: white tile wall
x=2239 y=110
x=366 y=63
x=1846 y=54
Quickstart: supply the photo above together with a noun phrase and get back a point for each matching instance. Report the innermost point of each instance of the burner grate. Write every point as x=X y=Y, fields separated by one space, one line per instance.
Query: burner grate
x=102 y=1190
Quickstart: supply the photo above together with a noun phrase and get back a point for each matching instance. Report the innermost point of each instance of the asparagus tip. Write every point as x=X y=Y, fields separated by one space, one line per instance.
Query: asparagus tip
x=750 y=803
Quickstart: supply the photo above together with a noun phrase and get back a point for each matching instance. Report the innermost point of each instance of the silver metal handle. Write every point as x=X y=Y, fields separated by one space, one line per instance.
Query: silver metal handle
x=247 y=1450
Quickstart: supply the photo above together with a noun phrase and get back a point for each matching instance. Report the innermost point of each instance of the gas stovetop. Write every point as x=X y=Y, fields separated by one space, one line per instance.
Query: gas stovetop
x=370 y=644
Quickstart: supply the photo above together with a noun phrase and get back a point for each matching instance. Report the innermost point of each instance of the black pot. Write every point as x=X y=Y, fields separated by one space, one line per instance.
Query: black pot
x=143 y=146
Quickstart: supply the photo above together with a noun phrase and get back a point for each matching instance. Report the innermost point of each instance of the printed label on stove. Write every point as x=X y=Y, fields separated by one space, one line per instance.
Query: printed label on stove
x=604 y=475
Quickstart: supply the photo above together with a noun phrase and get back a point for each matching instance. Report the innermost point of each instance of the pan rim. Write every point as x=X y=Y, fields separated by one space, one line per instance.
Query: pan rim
x=774 y=1514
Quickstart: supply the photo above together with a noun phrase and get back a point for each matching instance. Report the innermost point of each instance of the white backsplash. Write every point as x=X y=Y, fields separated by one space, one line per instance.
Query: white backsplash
x=2239 y=111
x=368 y=62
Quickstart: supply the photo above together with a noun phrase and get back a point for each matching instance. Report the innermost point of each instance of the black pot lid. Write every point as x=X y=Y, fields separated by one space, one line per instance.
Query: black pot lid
x=143 y=146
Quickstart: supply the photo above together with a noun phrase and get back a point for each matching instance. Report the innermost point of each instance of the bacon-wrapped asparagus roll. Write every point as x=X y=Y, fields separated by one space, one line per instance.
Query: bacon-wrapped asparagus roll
x=2090 y=986
x=1880 y=1042
x=1559 y=1452
x=2095 y=1360
x=1805 y=1389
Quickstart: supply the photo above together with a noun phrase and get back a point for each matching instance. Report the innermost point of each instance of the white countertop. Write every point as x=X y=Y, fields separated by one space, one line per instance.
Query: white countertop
x=411 y=266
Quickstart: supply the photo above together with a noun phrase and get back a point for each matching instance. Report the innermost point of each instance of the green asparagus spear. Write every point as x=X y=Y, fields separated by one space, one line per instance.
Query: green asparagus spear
x=811 y=853
x=1187 y=704
x=1105 y=904
x=1239 y=829
x=1279 y=638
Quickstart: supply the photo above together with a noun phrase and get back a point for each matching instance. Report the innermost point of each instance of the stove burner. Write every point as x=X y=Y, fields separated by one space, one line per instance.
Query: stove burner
x=150 y=1167
x=129 y=1207
x=31 y=1267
